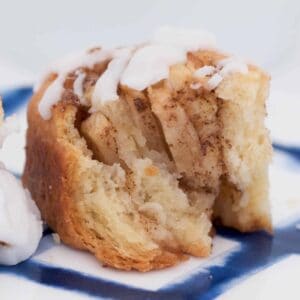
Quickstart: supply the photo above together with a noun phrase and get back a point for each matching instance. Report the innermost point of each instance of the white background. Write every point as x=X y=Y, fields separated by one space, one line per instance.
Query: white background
x=35 y=32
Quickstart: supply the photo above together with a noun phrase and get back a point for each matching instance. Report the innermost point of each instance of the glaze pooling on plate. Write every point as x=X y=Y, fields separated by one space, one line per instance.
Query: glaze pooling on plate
x=20 y=220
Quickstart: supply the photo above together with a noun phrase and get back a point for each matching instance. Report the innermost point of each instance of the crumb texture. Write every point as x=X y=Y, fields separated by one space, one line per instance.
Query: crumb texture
x=139 y=181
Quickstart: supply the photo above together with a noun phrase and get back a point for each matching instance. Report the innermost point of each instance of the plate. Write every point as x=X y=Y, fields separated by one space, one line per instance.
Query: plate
x=247 y=266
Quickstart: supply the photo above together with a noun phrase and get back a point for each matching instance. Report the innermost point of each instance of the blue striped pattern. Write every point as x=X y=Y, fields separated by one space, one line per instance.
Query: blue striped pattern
x=15 y=98
x=258 y=251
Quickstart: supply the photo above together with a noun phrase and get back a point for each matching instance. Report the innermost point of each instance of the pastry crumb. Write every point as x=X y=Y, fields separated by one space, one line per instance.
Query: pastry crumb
x=56 y=238
x=151 y=171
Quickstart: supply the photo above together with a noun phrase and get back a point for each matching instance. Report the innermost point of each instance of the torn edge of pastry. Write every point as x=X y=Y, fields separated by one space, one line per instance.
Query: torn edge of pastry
x=143 y=146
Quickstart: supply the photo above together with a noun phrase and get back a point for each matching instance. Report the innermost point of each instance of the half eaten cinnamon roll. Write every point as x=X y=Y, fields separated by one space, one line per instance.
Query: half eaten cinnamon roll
x=133 y=152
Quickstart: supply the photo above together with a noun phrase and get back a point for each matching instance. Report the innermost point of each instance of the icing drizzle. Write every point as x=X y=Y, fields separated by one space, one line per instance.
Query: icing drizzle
x=107 y=84
x=150 y=64
x=54 y=92
x=137 y=67
x=223 y=68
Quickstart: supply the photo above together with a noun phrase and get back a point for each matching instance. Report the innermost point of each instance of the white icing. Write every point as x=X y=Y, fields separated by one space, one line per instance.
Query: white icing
x=107 y=85
x=20 y=222
x=78 y=87
x=232 y=65
x=54 y=91
x=204 y=71
x=86 y=59
x=169 y=46
x=186 y=39
x=74 y=61
x=224 y=67
x=51 y=96
x=213 y=82
x=150 y=64
x=139 y=69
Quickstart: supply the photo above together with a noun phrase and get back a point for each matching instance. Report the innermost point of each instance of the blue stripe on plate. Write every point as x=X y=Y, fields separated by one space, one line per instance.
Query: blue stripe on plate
x=258 y=251
x=291 y=150
x=14 y=99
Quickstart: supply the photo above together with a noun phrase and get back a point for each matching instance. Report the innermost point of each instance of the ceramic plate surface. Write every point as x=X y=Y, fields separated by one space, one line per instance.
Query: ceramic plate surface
x=242 y=266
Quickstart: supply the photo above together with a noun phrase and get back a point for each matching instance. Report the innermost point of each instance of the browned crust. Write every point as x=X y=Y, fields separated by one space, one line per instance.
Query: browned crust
x=51 y=175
